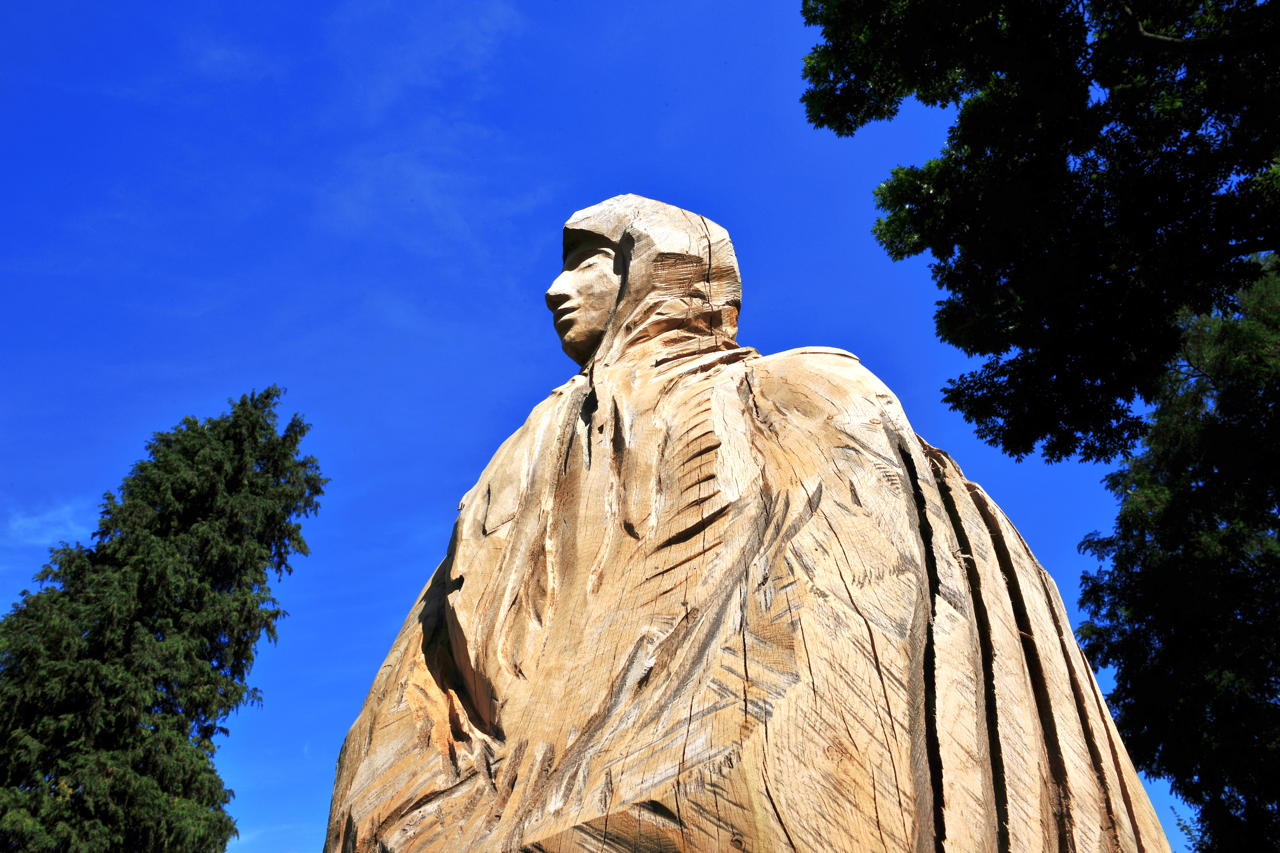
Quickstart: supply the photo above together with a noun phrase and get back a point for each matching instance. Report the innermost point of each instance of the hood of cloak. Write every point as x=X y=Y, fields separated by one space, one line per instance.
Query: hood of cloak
x=681 y=289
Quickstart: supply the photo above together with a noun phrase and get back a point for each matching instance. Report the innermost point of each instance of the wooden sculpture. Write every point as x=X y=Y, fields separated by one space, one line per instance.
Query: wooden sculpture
x=705 y=600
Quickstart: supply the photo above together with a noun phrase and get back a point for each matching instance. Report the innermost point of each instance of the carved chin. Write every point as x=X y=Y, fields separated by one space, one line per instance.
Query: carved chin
x=580 y=346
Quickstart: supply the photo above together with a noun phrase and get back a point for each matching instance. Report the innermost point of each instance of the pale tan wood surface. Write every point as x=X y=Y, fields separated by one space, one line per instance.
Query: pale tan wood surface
x=705 y=600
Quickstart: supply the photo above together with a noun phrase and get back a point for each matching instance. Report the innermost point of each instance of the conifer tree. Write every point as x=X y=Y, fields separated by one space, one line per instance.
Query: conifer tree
x=1186 y=609
x=117 y=674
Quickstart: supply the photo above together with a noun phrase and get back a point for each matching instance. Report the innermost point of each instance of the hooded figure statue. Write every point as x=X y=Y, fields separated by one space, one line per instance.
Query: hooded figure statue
x=706 y=600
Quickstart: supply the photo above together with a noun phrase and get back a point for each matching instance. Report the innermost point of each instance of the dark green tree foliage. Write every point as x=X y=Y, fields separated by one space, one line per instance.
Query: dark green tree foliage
x=1186 y=611
x=1111 y=168
x=118 y=673
x=1096 y=219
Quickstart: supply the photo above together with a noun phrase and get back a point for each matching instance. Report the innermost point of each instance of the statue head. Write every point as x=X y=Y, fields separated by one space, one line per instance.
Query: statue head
x=641 y=273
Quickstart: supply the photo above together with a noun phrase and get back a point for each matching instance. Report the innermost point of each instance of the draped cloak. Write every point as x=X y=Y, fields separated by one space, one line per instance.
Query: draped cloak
x=708 y=600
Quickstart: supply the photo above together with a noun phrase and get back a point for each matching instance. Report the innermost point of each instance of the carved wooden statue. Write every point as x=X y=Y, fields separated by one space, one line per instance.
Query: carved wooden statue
x=706 y=600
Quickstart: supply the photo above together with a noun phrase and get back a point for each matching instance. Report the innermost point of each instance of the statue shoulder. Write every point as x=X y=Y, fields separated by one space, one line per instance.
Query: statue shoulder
x=511 y=464
x=820 y=382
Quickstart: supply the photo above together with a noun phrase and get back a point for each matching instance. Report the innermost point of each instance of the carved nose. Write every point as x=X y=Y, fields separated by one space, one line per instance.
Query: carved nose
x=555 y=297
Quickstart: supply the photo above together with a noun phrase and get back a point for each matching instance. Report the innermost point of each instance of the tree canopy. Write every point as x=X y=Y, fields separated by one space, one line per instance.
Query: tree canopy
x=1112 y=167
x=1103 y=220
x=1186 y=610
x=119 y=671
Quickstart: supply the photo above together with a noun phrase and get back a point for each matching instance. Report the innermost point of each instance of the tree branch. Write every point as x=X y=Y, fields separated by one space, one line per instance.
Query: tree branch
x=1250 y=27
x=1199 y=41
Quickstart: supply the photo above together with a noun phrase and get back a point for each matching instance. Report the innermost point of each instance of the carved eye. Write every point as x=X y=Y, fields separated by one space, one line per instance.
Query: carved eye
x=588 y=258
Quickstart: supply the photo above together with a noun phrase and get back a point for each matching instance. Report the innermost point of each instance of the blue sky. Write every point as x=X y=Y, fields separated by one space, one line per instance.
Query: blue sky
x=361 y=202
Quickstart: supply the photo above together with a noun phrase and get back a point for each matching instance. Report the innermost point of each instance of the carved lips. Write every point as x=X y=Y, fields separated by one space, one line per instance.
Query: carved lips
x=561 y=315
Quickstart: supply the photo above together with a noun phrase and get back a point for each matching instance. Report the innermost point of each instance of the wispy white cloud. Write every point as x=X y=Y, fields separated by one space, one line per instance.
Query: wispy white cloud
x=224 y=60
x=256 y=838
x=416 y=175
x=407 y=196
x=396 y=310
x=421 y=46
x=66 y=523
x=197 y=62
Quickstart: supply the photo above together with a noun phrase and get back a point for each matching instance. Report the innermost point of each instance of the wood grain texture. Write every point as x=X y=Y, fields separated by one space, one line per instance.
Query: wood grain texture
x=705 y=600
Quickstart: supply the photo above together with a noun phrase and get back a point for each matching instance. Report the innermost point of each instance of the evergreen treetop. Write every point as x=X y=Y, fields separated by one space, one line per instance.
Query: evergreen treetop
x=119 y=671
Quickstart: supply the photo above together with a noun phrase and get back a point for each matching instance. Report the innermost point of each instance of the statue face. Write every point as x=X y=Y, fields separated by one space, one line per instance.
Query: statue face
x=583 y=296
